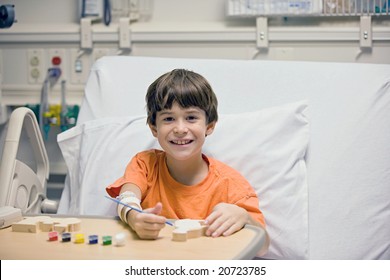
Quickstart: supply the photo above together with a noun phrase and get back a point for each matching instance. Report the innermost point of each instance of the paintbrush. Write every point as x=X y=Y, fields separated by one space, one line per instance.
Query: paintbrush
x=135 y=209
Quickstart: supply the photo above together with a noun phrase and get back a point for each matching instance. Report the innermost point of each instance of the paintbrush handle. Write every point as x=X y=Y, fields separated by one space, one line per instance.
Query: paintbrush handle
x=136 y=209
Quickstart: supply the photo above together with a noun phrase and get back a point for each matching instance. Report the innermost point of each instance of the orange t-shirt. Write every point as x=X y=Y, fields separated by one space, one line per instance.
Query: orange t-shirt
x=148 y=170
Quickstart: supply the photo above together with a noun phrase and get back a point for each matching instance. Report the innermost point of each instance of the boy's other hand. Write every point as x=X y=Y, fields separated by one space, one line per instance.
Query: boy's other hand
x=148 y=224
x=226 y=219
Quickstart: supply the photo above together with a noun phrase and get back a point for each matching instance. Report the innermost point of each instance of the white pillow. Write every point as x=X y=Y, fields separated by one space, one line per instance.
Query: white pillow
x=267 y=147
x=96 y=154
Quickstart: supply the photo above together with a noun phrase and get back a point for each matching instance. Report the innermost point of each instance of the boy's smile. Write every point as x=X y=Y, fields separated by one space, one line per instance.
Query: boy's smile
x=181 y=142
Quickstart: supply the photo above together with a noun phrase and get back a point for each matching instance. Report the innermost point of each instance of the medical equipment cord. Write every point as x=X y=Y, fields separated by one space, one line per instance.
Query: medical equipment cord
x=44 y=106
x=107 y=12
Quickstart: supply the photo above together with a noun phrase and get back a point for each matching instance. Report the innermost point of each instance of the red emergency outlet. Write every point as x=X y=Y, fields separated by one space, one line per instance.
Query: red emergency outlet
x=56 y=60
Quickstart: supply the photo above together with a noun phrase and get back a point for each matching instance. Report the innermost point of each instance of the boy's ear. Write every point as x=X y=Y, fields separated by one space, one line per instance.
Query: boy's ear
x=153 y=129
x=210 y=128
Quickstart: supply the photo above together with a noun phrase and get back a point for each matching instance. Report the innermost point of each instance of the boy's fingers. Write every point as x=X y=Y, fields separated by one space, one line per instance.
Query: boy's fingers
x=212 y=217
x=224 y=228
x=214 y=225
x=155 y=210
x=150 y=218
x=152 y=215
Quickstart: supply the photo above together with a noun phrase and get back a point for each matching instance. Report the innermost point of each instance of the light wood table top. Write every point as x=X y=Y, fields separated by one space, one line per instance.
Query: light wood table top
x=19 y=245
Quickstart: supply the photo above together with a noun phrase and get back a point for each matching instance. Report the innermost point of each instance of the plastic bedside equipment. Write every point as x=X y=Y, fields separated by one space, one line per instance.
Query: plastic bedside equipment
x=20 y=186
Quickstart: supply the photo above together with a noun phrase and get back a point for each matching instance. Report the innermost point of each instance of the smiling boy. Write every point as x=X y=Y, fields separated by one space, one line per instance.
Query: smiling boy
x=179 y=182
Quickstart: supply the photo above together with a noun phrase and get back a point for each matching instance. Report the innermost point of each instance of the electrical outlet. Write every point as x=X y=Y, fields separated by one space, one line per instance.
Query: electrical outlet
x=36 y=66
x=57 y=58
x=79 y=66
x=99 y=53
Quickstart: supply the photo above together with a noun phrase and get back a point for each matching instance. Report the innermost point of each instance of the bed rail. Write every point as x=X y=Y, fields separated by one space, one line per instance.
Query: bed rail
x=20 y=185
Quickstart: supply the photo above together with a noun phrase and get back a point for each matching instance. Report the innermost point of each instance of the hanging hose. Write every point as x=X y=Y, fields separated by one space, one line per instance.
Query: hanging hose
x=44 y=106
x=44 y=121
x=64 y=107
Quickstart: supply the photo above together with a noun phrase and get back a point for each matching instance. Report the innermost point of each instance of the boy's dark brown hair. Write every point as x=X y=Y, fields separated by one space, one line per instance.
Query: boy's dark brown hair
x=185 y=87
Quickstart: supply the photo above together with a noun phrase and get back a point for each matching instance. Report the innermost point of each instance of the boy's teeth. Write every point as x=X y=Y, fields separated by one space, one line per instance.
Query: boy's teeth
x=181 y=142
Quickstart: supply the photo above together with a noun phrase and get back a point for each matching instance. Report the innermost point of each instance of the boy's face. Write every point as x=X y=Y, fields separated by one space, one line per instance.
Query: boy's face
x=181 y=132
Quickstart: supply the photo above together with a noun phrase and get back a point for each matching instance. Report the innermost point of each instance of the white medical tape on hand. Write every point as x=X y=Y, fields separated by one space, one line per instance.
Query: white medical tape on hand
x=131 y=201
x=120 y=208
x=126 y=194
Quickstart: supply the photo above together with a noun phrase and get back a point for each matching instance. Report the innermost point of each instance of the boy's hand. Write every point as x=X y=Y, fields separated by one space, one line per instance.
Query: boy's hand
x=226 y=219
x=148 y=224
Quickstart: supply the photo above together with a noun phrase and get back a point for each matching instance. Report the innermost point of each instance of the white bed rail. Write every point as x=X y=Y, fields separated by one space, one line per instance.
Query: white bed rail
x=20 y=186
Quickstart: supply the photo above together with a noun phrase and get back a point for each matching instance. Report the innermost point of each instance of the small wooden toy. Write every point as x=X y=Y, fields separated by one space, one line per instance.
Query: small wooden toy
x=107 y=240
x=47 y=224
x=53 y=236
x=67 y=224
x=79 y=238
x=60 y=227
x=26 y=225
x=187 y=228
x=33 y=224
x=73 y=224
x=93 y=239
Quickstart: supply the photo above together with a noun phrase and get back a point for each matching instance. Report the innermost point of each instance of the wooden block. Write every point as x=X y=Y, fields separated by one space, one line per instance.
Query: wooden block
x=30 y=224
x=47 y=224
x=61 y=228
x=26 y=225
x=187 y=228
x=74 y=224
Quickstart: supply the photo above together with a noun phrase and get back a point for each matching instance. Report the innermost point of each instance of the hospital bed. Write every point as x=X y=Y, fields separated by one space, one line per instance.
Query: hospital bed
x=312 y=138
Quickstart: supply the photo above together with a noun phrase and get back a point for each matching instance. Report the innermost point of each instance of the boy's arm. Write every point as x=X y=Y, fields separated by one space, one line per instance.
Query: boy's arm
x=129 y=194
x=226 y=219
x=145 y=224
x=131 y=188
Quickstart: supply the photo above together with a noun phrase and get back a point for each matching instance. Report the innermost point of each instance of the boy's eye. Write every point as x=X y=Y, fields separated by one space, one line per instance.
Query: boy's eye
x=192 y=118
x=168 y=119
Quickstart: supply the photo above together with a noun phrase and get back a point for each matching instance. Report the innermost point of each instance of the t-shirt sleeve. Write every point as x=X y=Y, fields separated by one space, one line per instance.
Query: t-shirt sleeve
x=242 y=194
x=251 y=204
x=136 y=173
x=239 y=191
